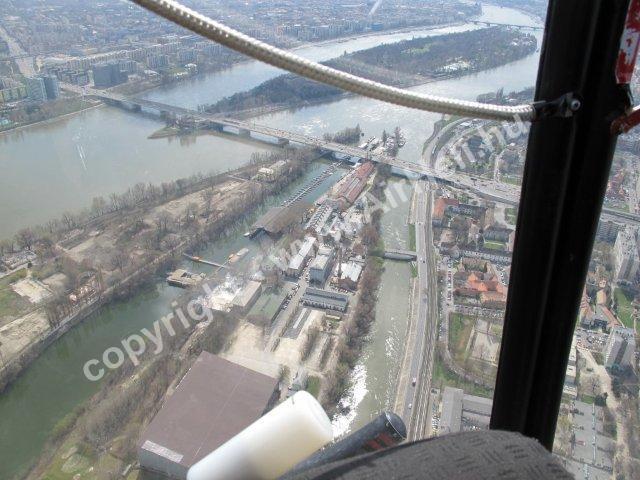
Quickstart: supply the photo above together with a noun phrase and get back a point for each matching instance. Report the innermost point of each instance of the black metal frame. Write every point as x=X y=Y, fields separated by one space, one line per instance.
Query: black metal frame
x=564 y=182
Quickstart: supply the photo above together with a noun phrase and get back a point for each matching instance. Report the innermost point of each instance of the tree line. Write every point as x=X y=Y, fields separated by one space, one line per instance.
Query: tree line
x=407 y=62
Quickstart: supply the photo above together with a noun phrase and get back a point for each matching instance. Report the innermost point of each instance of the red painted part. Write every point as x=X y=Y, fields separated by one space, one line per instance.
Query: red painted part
x=626 y=123
x=629 y=44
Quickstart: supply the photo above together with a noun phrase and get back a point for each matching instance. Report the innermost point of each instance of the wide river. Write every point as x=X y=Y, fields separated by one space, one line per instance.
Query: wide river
x=60 y=166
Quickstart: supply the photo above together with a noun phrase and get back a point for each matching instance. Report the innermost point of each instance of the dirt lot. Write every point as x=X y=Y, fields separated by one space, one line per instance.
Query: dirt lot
x=17 y=335
x=32 y=289
x=249 y=349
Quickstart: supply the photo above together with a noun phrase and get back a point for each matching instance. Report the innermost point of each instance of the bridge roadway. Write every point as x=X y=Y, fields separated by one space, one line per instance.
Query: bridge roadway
x=488 y=189
x=497 y=24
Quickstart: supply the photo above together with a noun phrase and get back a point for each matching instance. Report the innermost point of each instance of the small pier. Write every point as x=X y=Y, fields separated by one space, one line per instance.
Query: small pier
x=197 y=259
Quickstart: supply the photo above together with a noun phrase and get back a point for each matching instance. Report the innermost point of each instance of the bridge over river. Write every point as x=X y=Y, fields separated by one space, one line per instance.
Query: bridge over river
x=488 y=189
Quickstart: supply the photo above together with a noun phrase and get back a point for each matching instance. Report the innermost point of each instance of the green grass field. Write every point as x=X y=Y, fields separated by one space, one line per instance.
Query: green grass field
x=412 y=237
x=12 y=304
x=313 y=385
x=625 y=309
x=442 y=377
x=490 y=244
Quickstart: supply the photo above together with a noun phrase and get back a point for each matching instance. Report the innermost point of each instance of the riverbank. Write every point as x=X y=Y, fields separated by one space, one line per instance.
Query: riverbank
x=118 y=155
x=118 y=278
x=132 y=89
x=407 y=63
x=54 y=119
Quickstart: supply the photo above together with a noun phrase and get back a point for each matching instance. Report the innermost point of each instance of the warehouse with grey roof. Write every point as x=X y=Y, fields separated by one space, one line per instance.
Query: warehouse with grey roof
x=215 y=400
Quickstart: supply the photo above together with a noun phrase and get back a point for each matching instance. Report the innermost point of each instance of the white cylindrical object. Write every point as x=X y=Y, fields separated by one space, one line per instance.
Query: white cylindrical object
x=271 y=445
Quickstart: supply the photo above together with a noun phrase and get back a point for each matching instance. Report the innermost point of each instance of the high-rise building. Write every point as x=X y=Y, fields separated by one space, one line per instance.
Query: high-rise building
x=51 y=86
x=35 y=89
x=607 y=231
x=107 y=75
x=158 y=61
x=620 y=348
x=626 y=255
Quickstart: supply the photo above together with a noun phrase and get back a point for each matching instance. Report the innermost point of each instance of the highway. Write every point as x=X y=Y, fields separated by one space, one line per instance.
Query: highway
x=416 y=404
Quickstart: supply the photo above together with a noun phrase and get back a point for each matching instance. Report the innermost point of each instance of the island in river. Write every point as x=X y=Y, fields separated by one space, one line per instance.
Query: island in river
x=410 y=62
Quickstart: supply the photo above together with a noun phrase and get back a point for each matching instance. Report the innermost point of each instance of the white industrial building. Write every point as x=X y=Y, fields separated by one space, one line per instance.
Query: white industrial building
x=246 y=297
x=321 y=266
x=296 y=264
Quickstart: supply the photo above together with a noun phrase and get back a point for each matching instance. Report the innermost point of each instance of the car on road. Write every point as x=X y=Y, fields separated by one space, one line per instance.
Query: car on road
x=414 y=381
x=410 y=405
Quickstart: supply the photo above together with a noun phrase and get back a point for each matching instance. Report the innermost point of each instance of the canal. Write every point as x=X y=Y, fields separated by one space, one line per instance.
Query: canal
x=59 y=166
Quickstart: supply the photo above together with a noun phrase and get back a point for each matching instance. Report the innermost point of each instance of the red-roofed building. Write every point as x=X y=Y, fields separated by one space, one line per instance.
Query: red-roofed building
x=440 y=206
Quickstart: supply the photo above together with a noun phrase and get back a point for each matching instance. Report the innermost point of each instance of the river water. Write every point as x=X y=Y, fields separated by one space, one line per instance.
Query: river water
x=51 y=168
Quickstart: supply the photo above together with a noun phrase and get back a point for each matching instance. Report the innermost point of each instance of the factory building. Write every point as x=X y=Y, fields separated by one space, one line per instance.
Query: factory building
x=321 y=267
x=350 y=188
x=246 y=297
x=350 y=274
x=214 y=401
x=315 y=297
x=461 y=411
x=297 y=263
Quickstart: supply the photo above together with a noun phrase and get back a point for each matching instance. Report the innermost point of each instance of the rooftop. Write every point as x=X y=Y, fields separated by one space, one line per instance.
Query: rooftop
x=317 y=295
x=214 y=401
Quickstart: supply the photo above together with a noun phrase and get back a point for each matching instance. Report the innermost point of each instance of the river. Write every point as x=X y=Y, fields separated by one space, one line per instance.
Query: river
x=59 y=166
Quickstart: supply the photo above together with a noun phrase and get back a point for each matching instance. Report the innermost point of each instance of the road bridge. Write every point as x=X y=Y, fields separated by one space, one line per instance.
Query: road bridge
x=490 y=190
x=398 y=254
x=510 y=25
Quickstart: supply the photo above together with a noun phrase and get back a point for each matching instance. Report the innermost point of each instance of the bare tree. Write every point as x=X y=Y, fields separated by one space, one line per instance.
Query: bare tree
x=119 y=260
x=25 y=238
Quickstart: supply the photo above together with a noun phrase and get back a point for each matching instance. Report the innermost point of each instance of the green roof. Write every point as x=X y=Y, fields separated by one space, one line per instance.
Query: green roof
x=268 y=305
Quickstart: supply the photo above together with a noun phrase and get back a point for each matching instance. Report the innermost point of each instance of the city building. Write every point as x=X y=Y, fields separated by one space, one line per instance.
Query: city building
x=351 y=186
x=158 y=62
x=13 y=93
x=277 y=219
x=620 y=349
x=349 y=274
x=315 y=297
x=51 y=86
x=297 y=263
x=266 y=308
x=570 y=387
x=247 y=296
x=36 y=90
x=462 y=412
x=215 y=400
x=607 y=231
x=625 y=251
x=106 y=75
x=321 y=266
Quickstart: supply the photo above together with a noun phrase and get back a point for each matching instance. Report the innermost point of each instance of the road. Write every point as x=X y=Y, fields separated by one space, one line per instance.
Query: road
x=416 y=405
x=25 y=64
